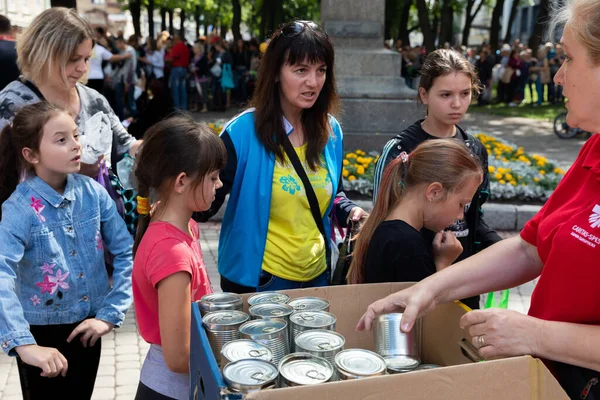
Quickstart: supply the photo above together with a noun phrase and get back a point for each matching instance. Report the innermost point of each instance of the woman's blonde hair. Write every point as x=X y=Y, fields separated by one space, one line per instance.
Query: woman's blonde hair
x=52 y=38
x=583 y=18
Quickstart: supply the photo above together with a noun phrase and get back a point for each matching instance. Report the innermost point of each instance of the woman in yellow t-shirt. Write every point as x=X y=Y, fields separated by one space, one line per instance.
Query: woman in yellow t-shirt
x=269 y=237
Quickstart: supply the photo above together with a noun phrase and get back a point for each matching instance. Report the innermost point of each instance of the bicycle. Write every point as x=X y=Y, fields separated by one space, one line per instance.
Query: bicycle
x=563 y=130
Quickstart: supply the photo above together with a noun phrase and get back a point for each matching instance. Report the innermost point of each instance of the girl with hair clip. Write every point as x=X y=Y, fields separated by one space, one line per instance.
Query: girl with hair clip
x=448 y=82
x=177 y=174
x=284 y=165
x=56 y=301
x=427 y=189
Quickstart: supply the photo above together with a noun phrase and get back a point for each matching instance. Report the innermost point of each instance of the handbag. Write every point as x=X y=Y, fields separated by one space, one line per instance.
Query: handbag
x=227 y=78
x=310 y=195
x=215 y=70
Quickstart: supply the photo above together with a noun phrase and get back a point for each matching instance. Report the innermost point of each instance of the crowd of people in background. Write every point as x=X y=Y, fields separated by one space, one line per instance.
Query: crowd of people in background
x=514 y=70
x=208 y=74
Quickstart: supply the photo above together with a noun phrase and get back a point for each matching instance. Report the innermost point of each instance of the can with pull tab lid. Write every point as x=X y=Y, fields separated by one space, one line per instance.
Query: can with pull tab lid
x=309 y=304
x=299 y=369
x=247 y=376
x=359 y=363
x=244 y=349
x=222 y=327
x=321 y=343
x=401 y=350
x=271 y=333
x=220 y=302
x=268 y=297
x=303 y=321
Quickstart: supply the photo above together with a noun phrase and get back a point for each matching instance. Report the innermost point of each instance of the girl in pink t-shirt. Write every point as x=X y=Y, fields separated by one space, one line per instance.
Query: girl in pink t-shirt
x=177 y=174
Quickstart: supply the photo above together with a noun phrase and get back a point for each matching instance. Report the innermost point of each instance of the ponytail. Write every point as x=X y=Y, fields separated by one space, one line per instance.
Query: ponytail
x=392 y=189
x=9 y=165
x=144 y=218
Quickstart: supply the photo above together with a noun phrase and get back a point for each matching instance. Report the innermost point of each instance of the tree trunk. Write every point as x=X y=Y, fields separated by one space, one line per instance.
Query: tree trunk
x=237 y=18
x=223 y=32
x=447 y=19
x=495 y=28
x=150 y=8
x=540 y=23
x=170 y=14
x=135 y=9
x=63 y=3
x=404 y=18
x=182 y=24
x=511 y=19
x=271 y=17
x=470 y=17
x=428 y=35
x=197 y=22
x=163 y=19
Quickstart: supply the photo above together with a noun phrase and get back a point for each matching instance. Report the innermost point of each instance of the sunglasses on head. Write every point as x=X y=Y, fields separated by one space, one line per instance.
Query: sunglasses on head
x=294 y=28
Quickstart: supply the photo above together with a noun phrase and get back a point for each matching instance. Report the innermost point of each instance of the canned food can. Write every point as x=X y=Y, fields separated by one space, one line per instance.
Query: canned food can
x=300 y=369
x=244 y=349
x=308 y=320
x=247 y=376
x=268 y=297
x=359 y=363
x=423 y=367
x=400 y=364
x=321 y=343
x=270 y=311
x=309 y=304
x=271 y=333
x=222 y=327
x=392 y=343
x=220 y=302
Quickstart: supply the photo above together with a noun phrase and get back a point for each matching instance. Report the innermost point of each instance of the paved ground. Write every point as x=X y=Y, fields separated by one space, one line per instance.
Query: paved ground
x=123 y=351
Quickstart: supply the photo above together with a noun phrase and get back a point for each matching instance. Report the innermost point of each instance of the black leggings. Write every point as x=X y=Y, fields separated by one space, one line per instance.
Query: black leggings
x=145 y=393
x=81 y=374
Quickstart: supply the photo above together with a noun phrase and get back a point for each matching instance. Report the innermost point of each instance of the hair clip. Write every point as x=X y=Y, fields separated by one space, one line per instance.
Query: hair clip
x=143 y=205
x=404 y=157
x=401 y=183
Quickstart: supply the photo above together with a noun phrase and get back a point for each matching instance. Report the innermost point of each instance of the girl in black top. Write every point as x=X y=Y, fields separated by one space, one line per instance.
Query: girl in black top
x=427 y=189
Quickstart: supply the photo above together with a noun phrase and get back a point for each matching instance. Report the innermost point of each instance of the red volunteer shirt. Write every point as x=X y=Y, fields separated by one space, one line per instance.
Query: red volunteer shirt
x=180 y=55
x=165 y=250
x=566 y=232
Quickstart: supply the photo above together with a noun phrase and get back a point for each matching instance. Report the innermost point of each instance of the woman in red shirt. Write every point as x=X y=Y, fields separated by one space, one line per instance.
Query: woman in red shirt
x=561 y=245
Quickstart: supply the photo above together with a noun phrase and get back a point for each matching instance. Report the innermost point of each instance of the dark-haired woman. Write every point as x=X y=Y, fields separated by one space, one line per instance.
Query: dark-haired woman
x=269 y=238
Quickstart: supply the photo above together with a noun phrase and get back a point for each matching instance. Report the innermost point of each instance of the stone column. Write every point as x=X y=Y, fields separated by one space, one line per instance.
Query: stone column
x=375 y=98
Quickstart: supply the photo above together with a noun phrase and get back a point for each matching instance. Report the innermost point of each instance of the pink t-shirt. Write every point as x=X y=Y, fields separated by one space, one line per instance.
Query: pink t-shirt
x=164 y=251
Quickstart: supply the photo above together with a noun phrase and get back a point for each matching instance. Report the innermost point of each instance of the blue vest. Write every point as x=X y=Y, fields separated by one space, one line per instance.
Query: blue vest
x=246 y=220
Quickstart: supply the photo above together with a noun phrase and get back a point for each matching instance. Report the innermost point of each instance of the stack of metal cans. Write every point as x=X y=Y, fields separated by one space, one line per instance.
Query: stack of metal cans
x=303 y=321
x=321 y=343
x=244 y=349
x=271 y=333
x=223 y=327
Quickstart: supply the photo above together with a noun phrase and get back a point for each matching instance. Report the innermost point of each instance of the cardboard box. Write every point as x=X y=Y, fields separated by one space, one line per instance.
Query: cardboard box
x=460 y=379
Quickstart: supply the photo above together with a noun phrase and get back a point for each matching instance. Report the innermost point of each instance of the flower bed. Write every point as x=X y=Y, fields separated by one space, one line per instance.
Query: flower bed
x=514 y=174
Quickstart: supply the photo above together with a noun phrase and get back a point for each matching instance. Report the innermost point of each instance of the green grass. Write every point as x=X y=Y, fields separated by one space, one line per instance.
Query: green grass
x=545 y=112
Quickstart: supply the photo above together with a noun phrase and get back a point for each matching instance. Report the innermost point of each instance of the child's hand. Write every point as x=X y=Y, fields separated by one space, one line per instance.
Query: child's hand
x=91 y=329
x=50 y=360
x=446 y=249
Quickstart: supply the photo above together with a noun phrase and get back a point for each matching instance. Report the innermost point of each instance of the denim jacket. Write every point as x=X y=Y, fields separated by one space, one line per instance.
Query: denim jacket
x=52 y=267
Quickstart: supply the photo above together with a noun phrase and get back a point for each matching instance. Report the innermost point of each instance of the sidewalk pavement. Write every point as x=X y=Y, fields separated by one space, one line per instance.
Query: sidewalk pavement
x=123 y=351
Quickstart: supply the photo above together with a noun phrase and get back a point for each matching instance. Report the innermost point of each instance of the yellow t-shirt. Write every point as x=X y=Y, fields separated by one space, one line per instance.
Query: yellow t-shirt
x=295 y=248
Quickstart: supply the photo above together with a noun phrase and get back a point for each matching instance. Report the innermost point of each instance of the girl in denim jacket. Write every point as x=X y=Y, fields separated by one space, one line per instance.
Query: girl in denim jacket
x=56 y=300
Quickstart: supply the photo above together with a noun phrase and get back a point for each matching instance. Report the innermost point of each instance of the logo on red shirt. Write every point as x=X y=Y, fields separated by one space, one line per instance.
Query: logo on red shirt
x=595 y=217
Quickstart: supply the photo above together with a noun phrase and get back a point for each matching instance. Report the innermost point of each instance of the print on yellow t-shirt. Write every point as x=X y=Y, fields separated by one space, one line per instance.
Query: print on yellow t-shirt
x=295 y=249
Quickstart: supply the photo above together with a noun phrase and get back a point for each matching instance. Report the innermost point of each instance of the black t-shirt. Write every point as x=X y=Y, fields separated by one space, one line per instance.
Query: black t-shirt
x=399 y=253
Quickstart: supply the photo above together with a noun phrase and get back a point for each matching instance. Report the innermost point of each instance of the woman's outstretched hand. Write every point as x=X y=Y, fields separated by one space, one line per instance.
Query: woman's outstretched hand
x=413 y=302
